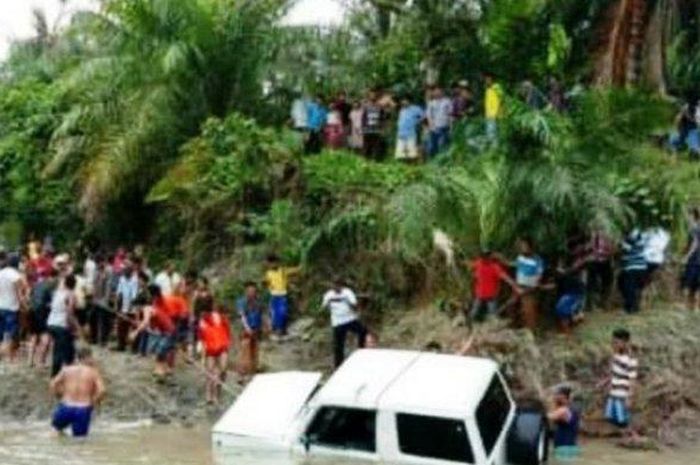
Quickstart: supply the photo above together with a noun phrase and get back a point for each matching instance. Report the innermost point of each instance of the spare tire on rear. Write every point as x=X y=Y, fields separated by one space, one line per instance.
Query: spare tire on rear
x=528 y=442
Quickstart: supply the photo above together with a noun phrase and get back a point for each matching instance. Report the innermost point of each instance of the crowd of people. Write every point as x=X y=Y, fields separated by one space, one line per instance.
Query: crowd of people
x=49 y=301
x=56 y=308
x=421 y=130
x=581 y=278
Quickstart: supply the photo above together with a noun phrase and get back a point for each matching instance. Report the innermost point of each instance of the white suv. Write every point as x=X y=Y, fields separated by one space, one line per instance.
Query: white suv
x=387 y=406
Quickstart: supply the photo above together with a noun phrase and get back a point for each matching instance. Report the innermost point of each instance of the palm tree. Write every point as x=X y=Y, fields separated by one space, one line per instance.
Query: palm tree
x=150 y=72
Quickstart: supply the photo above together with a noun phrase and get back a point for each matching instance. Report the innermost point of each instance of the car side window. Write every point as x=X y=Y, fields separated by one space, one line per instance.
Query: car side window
x=344 y=428
x=435 y=438
x=492 y=414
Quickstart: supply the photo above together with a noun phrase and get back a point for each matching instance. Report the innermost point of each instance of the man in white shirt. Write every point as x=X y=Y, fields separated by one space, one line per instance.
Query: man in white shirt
x=11 y=299
x=342 y=303
x=168 y=280
x=656 y=242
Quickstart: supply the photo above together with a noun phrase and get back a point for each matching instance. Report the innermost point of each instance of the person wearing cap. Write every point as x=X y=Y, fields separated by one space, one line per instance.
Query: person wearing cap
x=565 y=421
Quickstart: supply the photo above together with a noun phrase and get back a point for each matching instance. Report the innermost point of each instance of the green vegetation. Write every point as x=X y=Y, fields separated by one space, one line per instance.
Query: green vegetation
x=161 y=121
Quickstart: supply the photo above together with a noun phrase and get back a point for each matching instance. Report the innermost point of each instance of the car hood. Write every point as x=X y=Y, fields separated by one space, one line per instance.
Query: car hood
x=269 y=406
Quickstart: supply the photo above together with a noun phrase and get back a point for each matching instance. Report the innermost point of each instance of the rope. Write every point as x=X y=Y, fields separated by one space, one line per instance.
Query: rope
x=187 y=358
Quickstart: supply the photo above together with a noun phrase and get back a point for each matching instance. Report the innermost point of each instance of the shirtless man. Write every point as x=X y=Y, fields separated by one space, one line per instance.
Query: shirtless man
x=81 y=388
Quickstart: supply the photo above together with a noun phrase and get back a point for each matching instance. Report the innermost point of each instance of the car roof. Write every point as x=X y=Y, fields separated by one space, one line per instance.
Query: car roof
x=410 y=382
x=364 y=376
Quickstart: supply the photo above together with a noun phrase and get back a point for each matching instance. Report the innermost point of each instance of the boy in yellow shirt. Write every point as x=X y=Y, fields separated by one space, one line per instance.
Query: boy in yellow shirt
x=277 y=280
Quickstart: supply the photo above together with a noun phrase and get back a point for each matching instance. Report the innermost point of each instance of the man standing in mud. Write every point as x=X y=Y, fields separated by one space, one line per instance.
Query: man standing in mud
x=81 y=389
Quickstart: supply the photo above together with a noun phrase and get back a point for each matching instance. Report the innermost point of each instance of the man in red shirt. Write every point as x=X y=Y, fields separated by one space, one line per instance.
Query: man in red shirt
x=215 y=334
x=488 y=274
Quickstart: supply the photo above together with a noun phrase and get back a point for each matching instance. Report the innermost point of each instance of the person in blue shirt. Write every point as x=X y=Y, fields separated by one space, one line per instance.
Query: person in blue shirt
x=410 y=118
x=529 y=269
x=316 y=120
x=251 y=310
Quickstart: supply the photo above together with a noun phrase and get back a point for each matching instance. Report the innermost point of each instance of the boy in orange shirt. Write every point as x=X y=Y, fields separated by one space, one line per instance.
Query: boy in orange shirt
x=214 y=332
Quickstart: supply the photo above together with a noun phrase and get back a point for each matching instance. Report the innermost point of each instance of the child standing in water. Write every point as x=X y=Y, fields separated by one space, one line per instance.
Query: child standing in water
x=566 y=421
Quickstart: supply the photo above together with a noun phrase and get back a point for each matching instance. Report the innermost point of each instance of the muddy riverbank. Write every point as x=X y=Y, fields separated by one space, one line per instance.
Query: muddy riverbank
x=667 y=341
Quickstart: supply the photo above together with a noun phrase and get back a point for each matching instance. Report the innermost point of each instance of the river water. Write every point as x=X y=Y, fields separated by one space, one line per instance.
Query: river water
x=159 y=445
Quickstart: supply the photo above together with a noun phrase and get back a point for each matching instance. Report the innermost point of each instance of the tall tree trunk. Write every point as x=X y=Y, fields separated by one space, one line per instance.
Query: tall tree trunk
x=632 y=48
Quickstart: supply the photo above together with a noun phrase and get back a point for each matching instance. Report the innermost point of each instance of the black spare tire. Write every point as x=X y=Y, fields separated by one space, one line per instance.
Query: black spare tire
x=528 y=442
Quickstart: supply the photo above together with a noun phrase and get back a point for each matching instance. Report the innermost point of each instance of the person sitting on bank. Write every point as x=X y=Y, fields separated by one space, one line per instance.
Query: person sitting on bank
x=81 y=389
x=566 y=421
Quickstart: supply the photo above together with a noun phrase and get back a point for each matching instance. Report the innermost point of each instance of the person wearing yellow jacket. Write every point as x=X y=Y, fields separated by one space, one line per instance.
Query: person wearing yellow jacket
x=493 y=106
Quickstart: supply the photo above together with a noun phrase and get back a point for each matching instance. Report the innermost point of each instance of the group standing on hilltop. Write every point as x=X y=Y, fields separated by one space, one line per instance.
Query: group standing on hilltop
x=422 y=127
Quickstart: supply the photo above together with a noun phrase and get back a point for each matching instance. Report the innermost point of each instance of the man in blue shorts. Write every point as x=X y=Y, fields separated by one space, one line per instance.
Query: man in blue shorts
x=80 y=388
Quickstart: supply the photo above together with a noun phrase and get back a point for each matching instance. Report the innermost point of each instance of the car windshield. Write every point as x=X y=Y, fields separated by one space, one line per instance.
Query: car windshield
x=492 y=414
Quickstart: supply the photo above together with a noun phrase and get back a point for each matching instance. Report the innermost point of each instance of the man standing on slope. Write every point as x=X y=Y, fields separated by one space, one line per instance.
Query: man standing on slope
x=342 y=302
x=12 y=297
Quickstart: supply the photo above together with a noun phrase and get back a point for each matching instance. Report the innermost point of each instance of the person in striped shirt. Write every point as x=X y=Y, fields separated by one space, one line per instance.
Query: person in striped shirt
x=634 y=270
x=622 y=381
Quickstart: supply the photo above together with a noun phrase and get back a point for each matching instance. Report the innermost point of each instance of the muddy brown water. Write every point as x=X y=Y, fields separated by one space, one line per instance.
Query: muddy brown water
x=140 y=444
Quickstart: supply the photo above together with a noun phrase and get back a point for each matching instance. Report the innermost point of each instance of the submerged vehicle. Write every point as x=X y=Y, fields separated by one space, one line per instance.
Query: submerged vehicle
x=387 y=406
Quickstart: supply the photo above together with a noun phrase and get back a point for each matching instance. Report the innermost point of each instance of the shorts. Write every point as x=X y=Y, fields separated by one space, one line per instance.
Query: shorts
x=407 y=149
x=569 y=305
x=78 y=418
x=617 y=413
x=160 y=345
x=215 y=353
x=691 y=278
x=38 y=322
x=9 y=324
